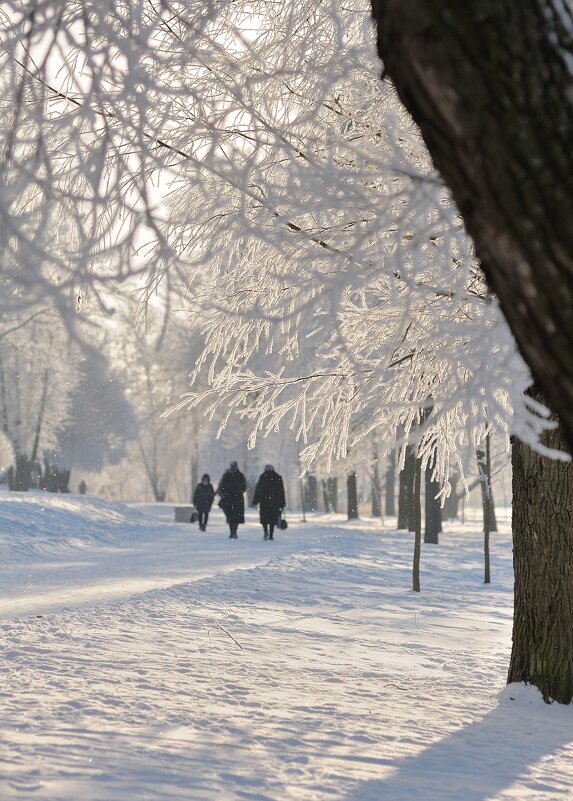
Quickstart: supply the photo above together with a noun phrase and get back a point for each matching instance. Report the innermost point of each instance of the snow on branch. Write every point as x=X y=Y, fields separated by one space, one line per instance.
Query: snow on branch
x=250 y=150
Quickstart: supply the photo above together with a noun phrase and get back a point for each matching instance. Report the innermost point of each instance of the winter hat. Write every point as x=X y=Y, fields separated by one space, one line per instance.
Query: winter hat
x=205 y=476
x=233 y=466
x=268 y=468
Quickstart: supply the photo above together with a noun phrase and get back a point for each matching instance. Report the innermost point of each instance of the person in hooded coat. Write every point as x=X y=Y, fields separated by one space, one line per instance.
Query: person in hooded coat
x=231 y=488
x=270 y=497
x=203 y=500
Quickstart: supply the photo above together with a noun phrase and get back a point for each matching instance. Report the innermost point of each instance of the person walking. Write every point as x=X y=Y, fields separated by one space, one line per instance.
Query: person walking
x=203 y=500
x=231 y=488
x=270 y=497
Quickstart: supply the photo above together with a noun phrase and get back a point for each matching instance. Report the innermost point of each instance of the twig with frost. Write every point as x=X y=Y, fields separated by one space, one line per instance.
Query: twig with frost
x=228 y=633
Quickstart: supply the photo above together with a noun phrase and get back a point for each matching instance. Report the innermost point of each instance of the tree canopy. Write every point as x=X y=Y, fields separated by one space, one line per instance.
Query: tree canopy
x=489 y=84
x=250 y=153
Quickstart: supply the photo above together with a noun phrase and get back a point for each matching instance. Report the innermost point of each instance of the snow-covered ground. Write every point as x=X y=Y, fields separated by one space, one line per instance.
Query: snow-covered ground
x=142 y=659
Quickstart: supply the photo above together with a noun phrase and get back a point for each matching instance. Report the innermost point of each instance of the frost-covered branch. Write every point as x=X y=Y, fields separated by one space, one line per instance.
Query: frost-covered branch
x=249 y=151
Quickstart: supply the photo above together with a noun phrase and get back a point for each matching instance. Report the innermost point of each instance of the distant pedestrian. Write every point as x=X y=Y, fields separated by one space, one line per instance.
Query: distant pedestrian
x=270 y=497
x=203 y=500
x=231 y=488
x=83 y=488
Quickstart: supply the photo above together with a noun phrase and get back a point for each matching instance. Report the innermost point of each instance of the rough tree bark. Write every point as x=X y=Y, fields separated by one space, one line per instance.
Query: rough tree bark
x=489 y=84
x=542 y=652
x=433 y=510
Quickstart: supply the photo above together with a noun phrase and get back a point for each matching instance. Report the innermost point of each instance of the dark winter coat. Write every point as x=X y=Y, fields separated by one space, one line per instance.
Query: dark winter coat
x=270 y=496
x=231 y=489
x=203 y=497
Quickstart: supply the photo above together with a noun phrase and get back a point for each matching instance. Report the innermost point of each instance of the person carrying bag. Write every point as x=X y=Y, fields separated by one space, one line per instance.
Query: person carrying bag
x=270 y=497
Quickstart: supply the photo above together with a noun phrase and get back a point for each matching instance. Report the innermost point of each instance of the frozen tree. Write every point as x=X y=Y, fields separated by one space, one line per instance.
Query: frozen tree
x=256 y=139
x=499 y=130
x=345 y=291
x=73 y=198
x=100 y=420
x=382 y=297
x=151 y=386
x=38 y=371
x=155 y=356
x=269 y=125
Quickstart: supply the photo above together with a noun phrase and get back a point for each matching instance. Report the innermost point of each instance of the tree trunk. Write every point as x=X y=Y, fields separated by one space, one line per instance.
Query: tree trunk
x=302 y=499
x=311 y=492
x=329 y=494
x=194 y=470
x=325 y=498
x=40 y=420
x=489 y=84
x=376 y=505
x=376 y=495
x=451 y=506
x=158 y=492
x=20 y=475
x=492 y=517
x=433 y=510
x=49 y=478
x=352 y=496
x=486 y=533
x=417 y=524
x=406 y=491
x=3 y=401
x=484 y=470
x=403 y=499
x=390 y=481
x=333 y=493
x=542 y=522
x=301 y=490
x=63 y=479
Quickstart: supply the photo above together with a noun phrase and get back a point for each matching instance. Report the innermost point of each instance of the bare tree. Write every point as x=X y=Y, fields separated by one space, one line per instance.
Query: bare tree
x=38 y=373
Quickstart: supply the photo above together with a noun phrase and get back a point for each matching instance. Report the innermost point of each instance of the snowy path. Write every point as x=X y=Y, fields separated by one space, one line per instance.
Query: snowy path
x=74 y=551
x=141 y=660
